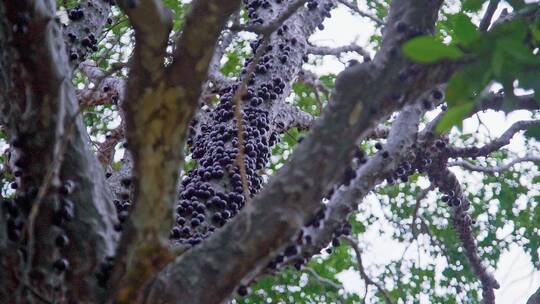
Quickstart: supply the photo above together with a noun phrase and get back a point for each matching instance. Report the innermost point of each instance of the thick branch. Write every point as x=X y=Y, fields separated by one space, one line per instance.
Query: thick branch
x=162 y=102
x=37 y=53
x=346 y=199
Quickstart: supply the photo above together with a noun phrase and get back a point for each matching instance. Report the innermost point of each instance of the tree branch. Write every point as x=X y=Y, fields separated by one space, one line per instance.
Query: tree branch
x=86 y=24
x=445 y=180
x=162 y=102
x=274 y=24
x=337 y=51
x=534 y=298
x=321 y=279
x=355 y=9
x=362 y=271
x=290 y=116
x=495 y=145
x=496 y=169
x=400 y=140
x=498 y=102
x=36 y=117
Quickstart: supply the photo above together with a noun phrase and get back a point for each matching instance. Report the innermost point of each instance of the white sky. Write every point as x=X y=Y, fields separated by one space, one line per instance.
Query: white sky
x=515 y=272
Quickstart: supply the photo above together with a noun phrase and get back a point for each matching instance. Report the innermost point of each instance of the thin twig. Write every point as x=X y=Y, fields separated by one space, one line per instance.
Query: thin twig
x=355 y=9
x=362 y=271
x=421 y=196
x=497 y=169
x=321 y=279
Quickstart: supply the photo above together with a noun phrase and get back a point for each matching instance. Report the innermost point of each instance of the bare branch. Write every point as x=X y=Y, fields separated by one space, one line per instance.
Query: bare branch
x=497 y=102
x=495 y=145
x=290 y=116
x=362 y=271
x=337 y=51
x=355 y=9
x=419 y=198
x=491 y=170
x=321 y=279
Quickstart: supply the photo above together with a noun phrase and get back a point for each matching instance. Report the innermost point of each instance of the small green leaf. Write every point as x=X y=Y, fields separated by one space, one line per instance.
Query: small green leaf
x=533 y=132
x=465 y=32
x=454 y=116
x=518 y=50
x=497 y=63
x=472 y=5
x=458 y=89
x=426 y=49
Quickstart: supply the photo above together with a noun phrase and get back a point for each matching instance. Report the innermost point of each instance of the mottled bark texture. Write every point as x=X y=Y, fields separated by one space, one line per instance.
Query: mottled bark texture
x=70 y=199
x=160 y=103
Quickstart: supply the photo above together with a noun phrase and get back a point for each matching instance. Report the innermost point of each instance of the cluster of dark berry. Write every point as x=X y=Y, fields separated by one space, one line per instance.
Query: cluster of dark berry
x=89 y=43
x=123 y=203
x=76 y=14
x=81 y=32
x=419 y=162
x=252 y=7
x=213 y=192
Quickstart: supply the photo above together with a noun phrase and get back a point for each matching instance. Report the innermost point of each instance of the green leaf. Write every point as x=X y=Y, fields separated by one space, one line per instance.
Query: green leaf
x=497 y=63
x=472 y=5
x=517 y=50
x=465 y=32
x=426 y=49
x=533 y=132
x=517 y=4
x=454 y=116
x=458 y=89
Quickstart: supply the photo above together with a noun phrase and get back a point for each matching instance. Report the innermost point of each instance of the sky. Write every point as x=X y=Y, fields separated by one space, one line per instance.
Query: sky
x=515 y=273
